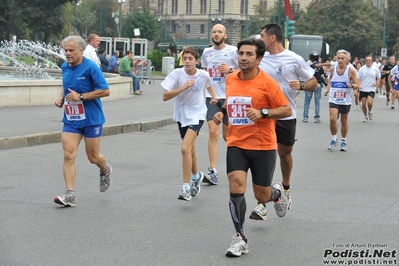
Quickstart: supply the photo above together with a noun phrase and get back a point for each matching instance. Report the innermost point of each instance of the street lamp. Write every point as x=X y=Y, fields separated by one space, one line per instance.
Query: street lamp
x=209 y=21
x=116 y=15
x=121 y=16
x=246 y=18
x=101 y=15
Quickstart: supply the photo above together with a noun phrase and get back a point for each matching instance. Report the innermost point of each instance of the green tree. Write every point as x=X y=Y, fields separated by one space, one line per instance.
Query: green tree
x=257 y=21
x=146 y=22
x=84 y=18
x=393 y=27
x=349 y=25
x=31 y=19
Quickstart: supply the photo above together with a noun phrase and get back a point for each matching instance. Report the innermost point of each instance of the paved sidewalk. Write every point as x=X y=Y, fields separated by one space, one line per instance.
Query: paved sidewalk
x=34 y=125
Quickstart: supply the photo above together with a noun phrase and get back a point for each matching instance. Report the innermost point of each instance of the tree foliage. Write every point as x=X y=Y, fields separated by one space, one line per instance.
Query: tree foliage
x=351 y=25
x=392 y=37
x=146 y=22
x=31 y=19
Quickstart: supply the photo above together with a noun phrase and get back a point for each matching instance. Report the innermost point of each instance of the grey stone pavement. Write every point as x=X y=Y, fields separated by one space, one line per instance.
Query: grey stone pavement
x=344 y=203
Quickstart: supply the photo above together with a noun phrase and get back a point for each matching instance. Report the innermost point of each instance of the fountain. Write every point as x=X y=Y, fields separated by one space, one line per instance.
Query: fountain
x=39 y=83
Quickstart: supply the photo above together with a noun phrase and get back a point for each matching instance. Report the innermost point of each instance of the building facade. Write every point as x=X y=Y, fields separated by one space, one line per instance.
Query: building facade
x=193 y=19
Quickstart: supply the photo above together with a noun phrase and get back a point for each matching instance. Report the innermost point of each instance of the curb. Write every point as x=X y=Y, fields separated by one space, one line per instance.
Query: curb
x=55 y=137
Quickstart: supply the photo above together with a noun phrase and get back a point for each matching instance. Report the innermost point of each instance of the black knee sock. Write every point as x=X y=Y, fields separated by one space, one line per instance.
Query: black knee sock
x=238 y=207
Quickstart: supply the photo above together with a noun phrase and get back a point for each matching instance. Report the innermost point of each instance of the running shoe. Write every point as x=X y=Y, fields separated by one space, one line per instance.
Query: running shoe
x=332 y=145
x=305 y=120
x=287 y=194
x=317 y=120
x=67 y=200
x=237 y=247
x=366 y=119
x=196 y=185
x=185 y=193
x=343 y=146
x=370 y=116
x=392 y=106
x=105 y=179
x=259 y=213
x=211 y=177
x=387 y=103
x=280 y=204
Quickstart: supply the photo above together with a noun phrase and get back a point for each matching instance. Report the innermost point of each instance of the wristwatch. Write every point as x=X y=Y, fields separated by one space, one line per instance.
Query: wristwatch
x=264 y=112
x=81 y=97
x=230 y=70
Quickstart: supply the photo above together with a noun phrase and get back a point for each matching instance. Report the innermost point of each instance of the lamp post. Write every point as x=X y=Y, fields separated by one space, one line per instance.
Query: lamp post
x=385 y=26
x=101 y=16
x=121 y=17
x=116 y=15
x=209 y=21
x=246 y=18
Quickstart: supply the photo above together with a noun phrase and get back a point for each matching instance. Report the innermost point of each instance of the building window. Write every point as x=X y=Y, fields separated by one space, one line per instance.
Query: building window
x=174 y=6
x=160 y=7
x=203 y=7
x=189 y=6
x=243 y=6
x=202 y=28
x=174 y=28
x=221 y=6
x=188 y=28
x=263 y=5
x=145 y=4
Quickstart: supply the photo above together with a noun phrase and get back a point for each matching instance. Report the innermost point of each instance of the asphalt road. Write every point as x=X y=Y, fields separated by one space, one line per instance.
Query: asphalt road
x=342 y=201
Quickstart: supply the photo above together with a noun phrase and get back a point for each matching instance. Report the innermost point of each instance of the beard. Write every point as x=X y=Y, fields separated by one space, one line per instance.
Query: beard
x=217 y=43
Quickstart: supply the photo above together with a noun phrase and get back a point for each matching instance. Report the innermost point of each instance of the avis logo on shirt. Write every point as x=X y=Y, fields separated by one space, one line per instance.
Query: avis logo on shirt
x=241 y=121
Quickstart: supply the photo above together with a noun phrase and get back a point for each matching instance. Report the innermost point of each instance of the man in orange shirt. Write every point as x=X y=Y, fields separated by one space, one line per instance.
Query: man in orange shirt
x=253 y=102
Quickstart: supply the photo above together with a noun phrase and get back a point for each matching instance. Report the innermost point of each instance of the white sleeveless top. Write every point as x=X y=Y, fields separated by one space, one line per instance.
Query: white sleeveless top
x=340 y=93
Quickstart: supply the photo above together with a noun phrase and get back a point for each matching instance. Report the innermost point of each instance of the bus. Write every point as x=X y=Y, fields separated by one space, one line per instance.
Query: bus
x=303 y=45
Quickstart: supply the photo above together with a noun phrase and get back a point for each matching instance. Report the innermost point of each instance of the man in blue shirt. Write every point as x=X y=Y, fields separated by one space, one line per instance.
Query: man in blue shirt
x=113 y=63
x=83 y=86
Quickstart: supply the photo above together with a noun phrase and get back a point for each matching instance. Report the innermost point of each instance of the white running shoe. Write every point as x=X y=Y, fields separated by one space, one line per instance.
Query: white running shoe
x=237 y=247
x=281 y=204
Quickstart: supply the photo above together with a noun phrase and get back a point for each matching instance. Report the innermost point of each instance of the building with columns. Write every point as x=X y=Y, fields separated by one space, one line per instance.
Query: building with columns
x=193 y=19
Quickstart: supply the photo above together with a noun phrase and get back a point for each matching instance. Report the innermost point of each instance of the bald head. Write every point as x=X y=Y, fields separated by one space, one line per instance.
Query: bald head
x=218 y=35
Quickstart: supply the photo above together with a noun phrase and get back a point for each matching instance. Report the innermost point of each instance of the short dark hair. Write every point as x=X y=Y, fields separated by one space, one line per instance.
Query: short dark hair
x=128 y=52
x=274 y=29
x=102 y=50
x=190 y=50
x=260 y=46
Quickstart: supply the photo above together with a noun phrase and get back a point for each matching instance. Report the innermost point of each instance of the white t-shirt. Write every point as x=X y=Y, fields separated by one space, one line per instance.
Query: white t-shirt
x=284 y=67
x=90 y=53
x=189 y=105
x=211 y=59
x=368 y=76
x=378 y=65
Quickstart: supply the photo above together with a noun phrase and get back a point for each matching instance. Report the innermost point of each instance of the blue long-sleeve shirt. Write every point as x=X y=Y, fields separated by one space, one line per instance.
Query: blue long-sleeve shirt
x=112 y=64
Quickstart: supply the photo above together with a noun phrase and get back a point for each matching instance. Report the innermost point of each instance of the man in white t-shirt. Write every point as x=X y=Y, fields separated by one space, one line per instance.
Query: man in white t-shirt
x=219 y=61
x=292 y=74
x=369 y=76
x=187 y=87
x=90 y=51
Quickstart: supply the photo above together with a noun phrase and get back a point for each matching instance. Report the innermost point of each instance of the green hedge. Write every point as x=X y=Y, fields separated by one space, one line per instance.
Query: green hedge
x=156 y=59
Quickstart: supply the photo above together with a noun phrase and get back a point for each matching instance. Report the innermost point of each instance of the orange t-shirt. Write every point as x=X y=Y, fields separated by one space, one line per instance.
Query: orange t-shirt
x=259 y=92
